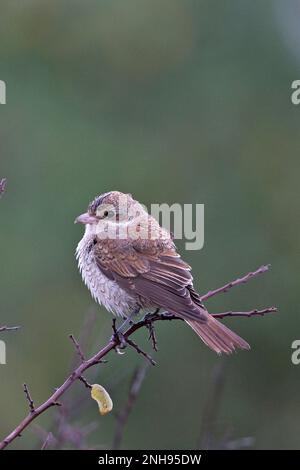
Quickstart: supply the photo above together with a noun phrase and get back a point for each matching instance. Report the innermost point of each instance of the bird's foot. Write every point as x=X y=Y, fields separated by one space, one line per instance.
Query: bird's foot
x=118 y=338
x=129 y=319
x=149 y=317
x=121 y=341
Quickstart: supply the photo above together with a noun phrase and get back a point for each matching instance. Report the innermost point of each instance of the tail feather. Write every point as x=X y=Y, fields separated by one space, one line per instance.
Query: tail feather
x=217 y=336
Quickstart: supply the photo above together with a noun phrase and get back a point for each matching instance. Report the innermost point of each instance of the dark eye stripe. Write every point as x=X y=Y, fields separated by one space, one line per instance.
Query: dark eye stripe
x=96 y=202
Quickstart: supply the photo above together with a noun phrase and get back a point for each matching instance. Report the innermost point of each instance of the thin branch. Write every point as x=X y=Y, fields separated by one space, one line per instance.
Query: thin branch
x=76 y=403
x=123 y=341
x=84 y=381
x=9 y=328
x=28 y=398
x=235 y=283
x=53 y=399
x=78 y=372
x=85 y=334
x=250 y=313
x=2 y=186
x=111 y=345
x=122 y=417
x=78 y=348
x=152 y=336
x=140 y=351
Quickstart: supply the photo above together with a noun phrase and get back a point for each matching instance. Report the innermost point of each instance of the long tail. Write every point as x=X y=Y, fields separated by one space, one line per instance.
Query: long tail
x=217 y=336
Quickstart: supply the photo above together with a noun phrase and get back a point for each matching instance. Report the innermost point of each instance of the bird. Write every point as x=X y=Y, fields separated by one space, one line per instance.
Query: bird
x=130 y=264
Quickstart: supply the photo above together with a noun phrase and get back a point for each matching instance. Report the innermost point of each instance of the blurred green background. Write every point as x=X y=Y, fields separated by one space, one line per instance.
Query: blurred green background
x=174 y=101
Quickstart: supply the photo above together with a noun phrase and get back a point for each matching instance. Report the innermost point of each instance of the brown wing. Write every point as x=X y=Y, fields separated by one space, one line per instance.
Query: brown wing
x=153 y=270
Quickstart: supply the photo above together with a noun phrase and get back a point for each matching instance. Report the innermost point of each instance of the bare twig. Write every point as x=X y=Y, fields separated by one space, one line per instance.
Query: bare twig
x=78 y=348
x=63 y=426
x=2 y=186
x=9 y=328
x=29 y=399
x=122 y=417
x=85 y=334
x=52 y=400
x=152 y=336
x=235 y=283
x=140 y=351
x=251 y=313
x=123 y=341
x=111 y=345
x=85 y=382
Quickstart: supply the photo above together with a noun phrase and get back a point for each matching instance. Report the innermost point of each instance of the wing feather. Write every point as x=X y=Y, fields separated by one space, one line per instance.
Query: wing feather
x=153 y=271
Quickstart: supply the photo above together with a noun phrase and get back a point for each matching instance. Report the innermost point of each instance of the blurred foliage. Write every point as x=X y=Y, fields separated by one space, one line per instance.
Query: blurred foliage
x=173 y=101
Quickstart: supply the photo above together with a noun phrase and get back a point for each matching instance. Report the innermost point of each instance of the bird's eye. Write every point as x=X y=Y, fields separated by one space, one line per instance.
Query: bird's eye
x=108 y=214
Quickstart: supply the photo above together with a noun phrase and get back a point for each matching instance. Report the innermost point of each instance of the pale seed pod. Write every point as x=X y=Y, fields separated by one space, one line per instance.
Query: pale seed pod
x=103 y=399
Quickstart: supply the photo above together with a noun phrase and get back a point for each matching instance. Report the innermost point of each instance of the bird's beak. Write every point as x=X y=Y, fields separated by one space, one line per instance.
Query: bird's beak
x=85 y=218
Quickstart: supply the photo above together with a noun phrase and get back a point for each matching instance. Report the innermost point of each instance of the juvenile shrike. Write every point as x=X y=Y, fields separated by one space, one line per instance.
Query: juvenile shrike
x=130 y=263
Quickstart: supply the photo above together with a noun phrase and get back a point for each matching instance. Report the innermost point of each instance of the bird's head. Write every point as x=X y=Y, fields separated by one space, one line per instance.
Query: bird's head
x=109 y=211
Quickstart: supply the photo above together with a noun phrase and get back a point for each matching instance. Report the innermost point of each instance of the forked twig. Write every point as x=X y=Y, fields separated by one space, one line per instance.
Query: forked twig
x=77 y=347
x=237 y=282
x=85 y=364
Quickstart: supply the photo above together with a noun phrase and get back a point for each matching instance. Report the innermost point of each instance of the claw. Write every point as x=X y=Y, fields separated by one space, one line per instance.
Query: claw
x=119 y=350
x=120 y=341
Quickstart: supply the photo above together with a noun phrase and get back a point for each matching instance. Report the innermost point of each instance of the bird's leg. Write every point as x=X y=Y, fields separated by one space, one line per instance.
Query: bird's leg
x=118 y=337
x=128 y=320
x=118 y=333
x=121 y=341
x=150 y=315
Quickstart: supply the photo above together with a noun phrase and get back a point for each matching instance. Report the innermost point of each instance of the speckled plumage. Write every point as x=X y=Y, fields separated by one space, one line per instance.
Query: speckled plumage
x=129 y=263
x=105 y=291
